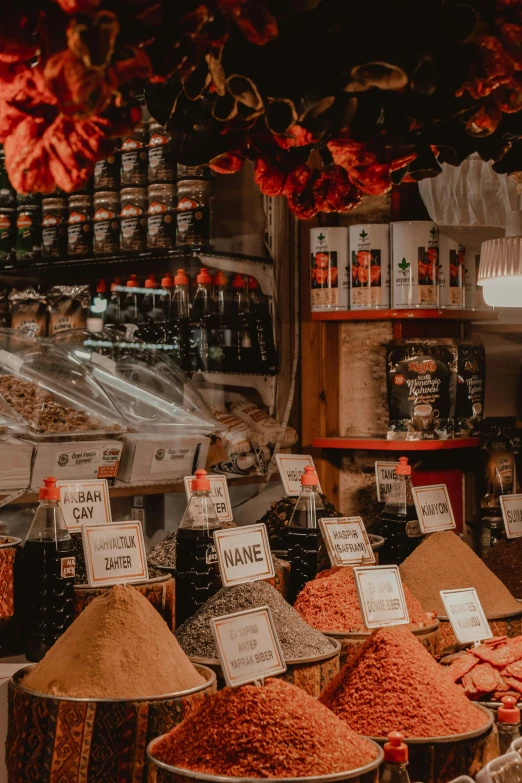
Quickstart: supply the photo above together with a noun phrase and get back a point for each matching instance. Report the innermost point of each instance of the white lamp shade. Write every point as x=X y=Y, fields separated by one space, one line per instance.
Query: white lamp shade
x=500 y=271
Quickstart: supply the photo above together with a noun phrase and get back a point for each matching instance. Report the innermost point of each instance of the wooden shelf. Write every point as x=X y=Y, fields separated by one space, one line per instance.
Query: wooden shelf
x=405 y=315
x=381 y=444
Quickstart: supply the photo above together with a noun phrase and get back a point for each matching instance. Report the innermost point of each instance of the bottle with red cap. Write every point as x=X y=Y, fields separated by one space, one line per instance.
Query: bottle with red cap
x=242 y=331
x=48 y=570
x=395 y=765
x=220 y=358
x=113 y=314
x=306 y=549
x=200 y=312
x=197 y=572
x=131 y=310
x=99 y=302
x=399 y=524
x=151 y=331
x=264 y=346
x=178 y=330
x=508 y=717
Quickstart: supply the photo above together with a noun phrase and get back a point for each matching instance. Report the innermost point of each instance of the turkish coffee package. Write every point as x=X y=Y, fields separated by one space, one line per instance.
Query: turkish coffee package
x=471 y=384
x=28 y=311
x=421 y=380
x=498 y=460
x=68 y=307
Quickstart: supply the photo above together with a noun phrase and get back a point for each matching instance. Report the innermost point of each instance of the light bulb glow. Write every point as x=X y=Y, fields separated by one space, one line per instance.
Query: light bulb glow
x=503 y=291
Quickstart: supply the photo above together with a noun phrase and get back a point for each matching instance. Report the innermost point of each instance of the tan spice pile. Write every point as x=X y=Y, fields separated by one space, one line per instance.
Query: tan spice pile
x=118 y=648
x=393 y=684
x=330 y=603
x=272 y=730
x=444 y=562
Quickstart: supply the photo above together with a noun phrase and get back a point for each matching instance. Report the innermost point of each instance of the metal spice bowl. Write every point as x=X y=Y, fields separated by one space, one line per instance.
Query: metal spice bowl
x=51 y=739
x=429 y=637
x=159 y=772
x=501 y=625
x=311 y=674
x=8 y=552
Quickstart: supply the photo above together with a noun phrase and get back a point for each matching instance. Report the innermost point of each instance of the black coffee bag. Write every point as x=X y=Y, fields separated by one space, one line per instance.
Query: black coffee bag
x=471 y=384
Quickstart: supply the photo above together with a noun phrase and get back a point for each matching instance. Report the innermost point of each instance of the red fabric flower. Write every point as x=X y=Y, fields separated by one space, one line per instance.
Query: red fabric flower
x=228 y=163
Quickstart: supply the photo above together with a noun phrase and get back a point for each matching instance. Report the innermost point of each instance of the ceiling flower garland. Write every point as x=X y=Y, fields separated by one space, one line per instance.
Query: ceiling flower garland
x=383 y=92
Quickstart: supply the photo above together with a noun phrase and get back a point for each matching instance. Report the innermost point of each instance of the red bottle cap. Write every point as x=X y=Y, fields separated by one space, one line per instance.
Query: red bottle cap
x=115 y=282
x=509 y=712
x=151 y=282
x=239 y=281
x=167 y=281
x=252 y=283
x=395 y=750
x=309 y=477
x=132 y=282
x=203 y=276
x=200 y=482
x=220 y=278
x=181 y=278
x=101 y=288
x=403 y=468
x=50 y=491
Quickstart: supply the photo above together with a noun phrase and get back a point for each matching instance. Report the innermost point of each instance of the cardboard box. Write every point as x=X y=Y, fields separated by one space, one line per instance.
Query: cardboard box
x=161 y=458
x=84 y=459
x=16 y=457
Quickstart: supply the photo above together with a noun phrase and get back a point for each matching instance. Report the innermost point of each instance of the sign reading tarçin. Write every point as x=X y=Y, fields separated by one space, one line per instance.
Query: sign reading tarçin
x=114 y=554
x=347 y=541
x=385 y=479
x=381 y=596
x=243 y=554
x=85 y=503
x=466 y=615
x=248 y=646
x=512 y=514
x=218 y=493
x=433 y=508
x=291 y=467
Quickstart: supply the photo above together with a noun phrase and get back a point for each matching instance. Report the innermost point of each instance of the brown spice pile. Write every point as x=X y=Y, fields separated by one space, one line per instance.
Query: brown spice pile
x=400 y=687
x=273 y=730
x=505 y=560
x=330 y=603
x=118 y=648
x=444 y=562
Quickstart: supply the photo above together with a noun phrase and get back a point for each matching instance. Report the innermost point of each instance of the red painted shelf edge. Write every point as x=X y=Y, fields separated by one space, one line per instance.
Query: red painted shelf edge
x=378 y=444
x=404 y=315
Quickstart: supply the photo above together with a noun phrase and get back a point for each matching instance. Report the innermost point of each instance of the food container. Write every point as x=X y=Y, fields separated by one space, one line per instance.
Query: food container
x=311 y=674
x=53 y=739
x=159 y=772
x=452 y=272
x=502 y=625
x=54 y=228
x=160 y=592
x=330 y=281
x=79 y=226
x=8 y=551
x=28 y=233
x=281 y=580
x=160 y=167
x=429 y=637
x=370 y=267
x=161 y=216
x=414 y=264
x=134 y=157
x=133 y=219
x=106 y=223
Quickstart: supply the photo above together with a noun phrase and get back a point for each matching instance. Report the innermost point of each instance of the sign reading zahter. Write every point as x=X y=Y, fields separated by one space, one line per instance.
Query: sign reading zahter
x=466 y=615
x=243 y=554
x=512 y=513
x=381 y=596
x=433 y=508
x=346 y=541
x=218 y=493
x=114 y=554
x=85 y=503
x=291 y=468
x=248 y=646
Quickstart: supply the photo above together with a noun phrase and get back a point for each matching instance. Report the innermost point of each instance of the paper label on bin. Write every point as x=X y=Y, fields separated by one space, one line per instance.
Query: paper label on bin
x=243 y=554
x=166 y=459
x=218 y=493
x=381 y=596
x=512 y=514
x=291 y=467
x=385 y=479
x=346 y=541
x=466 y=615
x=248 y=646
x=433 y=508
x=85 y=503
x=114 y=554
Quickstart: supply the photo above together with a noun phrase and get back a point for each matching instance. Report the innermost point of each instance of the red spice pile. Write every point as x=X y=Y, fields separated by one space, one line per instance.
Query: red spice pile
x=273 y=730
x=401 y=688
x=330 y=603
x=492 y=670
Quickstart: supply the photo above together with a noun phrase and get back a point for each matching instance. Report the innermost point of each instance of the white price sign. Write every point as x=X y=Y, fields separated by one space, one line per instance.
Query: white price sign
x=291 y=467
x=114 y=554
x=243 y=554
x=433 y=508
x=218 y=493
x=85 y=503
x=248 y=646
x=381 y=596
x=346 y=541
x=512 y=513
x=385 y=479
x=466 y=615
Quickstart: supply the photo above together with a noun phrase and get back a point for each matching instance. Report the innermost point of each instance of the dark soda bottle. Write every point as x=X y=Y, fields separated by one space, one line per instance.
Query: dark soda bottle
x=200 y=312
x=48 y=568
x=152 y=330
x=508 y=717
x=197 y=572
x=113 y=313
x=243 y=353
x=220 y=354
x=399 y=524
x=131 y=310
x=264 y=346
x=178 y=329
x=306 y=549
x=395 y=765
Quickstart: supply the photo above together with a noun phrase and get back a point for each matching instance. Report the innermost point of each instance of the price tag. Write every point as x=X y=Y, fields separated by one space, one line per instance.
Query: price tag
x=385 y=479
x=218 y=493
x=243 y=554
x=466 y=615
x=512 y=514
x=248 y=646
x=85 y=503
x=433 y=508
x=291 y=467
x=347 y=541
x=381 y=596
x=114 y=554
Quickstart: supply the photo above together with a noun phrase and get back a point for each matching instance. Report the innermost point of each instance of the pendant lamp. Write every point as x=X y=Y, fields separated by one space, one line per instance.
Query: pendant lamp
x=500 y=270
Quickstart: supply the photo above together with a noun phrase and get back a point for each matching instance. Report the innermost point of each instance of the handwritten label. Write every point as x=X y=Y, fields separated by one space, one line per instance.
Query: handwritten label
x=512 y=513
x=248 y=646
x=218 y=493
x=466 y=615
x=433 y=508
x=243 y=554
x=385 y=479
x=114 y=554
x=346 y=541
x=381 y=596
x=85 y=503
x=291 y=467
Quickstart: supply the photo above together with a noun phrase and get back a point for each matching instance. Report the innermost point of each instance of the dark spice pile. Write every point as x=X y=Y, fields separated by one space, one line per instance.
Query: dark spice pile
x=278 y=516
x=330 y=603
x=491 y=670
x=297 y=639
x=164 y=553
x=505 y=560
x=268 y=731
x=402 y=688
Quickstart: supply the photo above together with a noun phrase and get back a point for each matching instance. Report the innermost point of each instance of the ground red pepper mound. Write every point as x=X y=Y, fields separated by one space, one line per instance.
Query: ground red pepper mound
x=491 y=670
x=402 y=688
x=330 y=603
x=272 y=730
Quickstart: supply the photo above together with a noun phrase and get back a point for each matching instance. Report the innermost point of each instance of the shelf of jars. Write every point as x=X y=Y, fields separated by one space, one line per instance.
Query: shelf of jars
x=402 y=315
x=382 y=444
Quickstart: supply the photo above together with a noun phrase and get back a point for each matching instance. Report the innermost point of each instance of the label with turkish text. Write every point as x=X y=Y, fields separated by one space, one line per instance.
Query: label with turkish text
x=385 y=479
x=347 y=541
x=218 y=493
x=85 y=503
x=381 y=596
x=433 y=508
x=291 y=467
x=466 y=615
x=512 y=513
x=243 y=554
x=115 y=553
